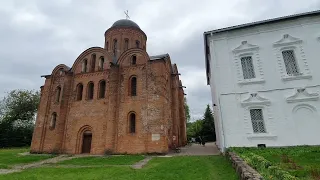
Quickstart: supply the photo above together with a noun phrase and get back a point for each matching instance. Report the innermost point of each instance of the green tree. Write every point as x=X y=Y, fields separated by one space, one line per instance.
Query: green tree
x=208 y=130
x=187 y=110
x=17 y=116
x=194 y=129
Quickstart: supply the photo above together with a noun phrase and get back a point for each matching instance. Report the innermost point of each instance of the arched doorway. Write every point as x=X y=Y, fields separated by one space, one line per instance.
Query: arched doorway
x=86 y=142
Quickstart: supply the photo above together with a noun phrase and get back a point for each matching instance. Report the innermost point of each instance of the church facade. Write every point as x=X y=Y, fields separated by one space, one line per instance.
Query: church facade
x=265 y=83
x=115 y=99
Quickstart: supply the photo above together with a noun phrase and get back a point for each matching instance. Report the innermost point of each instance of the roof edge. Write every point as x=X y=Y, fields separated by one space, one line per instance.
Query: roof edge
x=273 y=20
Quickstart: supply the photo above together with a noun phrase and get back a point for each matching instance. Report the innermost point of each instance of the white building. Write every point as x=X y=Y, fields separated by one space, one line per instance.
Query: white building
x=265 y=81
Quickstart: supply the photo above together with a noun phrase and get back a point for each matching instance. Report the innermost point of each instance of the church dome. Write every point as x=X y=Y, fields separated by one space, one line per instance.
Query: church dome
x=125 y=23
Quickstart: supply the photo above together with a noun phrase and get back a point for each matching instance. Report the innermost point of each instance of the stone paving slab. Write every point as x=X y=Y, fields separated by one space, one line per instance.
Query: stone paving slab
x=198 y=150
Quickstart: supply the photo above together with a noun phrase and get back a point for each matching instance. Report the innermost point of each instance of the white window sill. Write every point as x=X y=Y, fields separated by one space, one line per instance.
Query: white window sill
x=251 y=81
x=297 y=77
x=261 y=136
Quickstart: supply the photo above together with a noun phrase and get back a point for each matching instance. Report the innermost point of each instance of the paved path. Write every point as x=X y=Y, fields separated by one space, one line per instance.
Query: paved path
x=18 y=168
x=141 y=163
x=197 y=150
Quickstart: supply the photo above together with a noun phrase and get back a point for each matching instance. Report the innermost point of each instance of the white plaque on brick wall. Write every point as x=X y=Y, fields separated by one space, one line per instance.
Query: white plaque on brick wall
x=155 y=137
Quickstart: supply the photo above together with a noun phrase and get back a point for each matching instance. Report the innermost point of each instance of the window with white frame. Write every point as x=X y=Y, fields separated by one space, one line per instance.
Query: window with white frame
x=257 y=121
x=247 y=67
x=290 y=62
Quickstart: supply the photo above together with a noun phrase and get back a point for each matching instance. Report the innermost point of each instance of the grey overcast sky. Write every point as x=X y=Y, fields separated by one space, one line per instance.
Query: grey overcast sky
x=37 y=35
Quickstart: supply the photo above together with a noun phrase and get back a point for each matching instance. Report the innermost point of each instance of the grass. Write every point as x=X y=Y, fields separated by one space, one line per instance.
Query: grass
x=302 y=162
x=10 y=157
x=106 y=160
x=171 y=168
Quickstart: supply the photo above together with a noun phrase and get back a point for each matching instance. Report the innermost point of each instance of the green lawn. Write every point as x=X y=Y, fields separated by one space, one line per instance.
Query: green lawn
x=302 y=162
x=106 y=160
x=171 y=168
x=10 y=157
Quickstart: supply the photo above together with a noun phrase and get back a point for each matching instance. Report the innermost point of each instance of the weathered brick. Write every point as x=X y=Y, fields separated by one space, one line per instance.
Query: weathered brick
x=159 y=104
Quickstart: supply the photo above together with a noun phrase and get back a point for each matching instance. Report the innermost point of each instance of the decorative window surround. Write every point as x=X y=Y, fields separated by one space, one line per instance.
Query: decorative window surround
x=255 y=101
x=301 y=95
x=295 y=44
x=246 y=49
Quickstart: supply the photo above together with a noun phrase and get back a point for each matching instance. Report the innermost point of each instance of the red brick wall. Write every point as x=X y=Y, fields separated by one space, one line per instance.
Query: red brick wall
x=158 y=105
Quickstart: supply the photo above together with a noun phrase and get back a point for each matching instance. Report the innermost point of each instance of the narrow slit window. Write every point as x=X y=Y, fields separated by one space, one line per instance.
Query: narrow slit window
x=107 y=46
x=84 y=65
x=90 y=90
x=101 y=63
x=115 y=44
x=93 y=62
x=132 y=123
x=79 y=92
x=126 y=44
x=247 y=67
x=58 y=93
x=257 y=121
x=290 y=62
x=53 y=120
x=102 y=89
x=133 y=86
x=137 y=44
x=133 y=60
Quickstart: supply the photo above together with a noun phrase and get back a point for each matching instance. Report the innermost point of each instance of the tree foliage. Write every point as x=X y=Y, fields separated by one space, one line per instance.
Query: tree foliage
x=187 y=110
x=17 y=116
x=203 y=127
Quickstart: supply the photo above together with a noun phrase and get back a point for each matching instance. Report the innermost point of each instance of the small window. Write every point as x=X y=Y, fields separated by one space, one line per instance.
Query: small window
x=102 y=89
x=93 y=62
x=290 y=62
x=257 y=121
x=134 y=60
x=79 y=92
x=133 y=86
x=90 y=90
x=137 y=44
x=61 y=72
x=58 y=92
x=247 y=67
x=84 y=65
x=53 y=120
x=115 y=44
x=126 y=44
x=101 y=63
x=107 y=45
x=132 y=123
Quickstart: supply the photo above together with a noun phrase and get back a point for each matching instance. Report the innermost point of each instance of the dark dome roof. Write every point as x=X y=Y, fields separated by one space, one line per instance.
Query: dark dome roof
x=125 y=23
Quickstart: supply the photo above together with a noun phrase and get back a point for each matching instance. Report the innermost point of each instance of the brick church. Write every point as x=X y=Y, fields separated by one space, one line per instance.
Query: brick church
x=115 y=99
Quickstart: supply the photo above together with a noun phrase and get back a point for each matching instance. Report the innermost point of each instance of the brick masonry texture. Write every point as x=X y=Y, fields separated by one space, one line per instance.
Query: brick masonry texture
x=158 y=105
x=244 y=171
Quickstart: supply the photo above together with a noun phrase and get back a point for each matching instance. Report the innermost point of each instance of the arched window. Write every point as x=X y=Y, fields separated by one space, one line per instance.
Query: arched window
x=84 y=65
x=53 y=120
x=90 y=90
x=126 y=44
x=102 y=89
x=115 y=44
x=132 y=123
x=133 y=60
x=101 y=63
x=93 y=62
x=137 y=44
x=107 y=45
x=61 y=71
x=79 y=92
x=133 y=85
x=58 y=92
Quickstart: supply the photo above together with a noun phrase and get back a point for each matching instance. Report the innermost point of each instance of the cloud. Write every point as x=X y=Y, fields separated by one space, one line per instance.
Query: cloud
x=37 y=35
